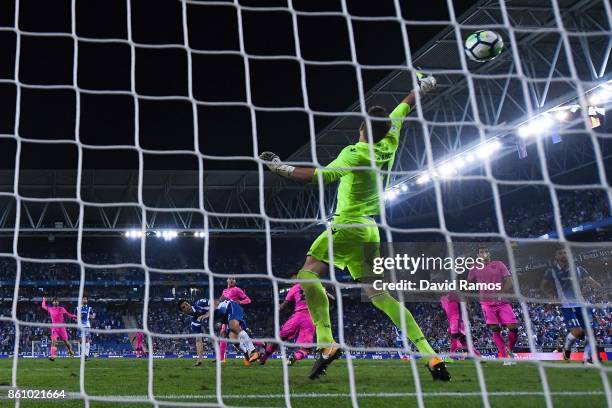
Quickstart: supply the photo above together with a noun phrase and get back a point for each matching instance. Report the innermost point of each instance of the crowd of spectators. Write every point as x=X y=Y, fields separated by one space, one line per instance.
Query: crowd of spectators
x=117 y=292
x=535 y=216
x=363 y=326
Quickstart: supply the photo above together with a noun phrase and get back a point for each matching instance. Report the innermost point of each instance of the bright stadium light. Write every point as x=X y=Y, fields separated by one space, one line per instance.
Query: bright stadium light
x=446 y=170
x=600 y=96
x=536 y=126
x=404 y=188
x=470 y=158
x=487 y=149
x=524 y=131
x=482 y=152
x=133 y=234
x=168 y=235
x=199 y=234
x=459 y=163
x=423 y=178
x=391 y=194
x=562 y=115
x=545 y=122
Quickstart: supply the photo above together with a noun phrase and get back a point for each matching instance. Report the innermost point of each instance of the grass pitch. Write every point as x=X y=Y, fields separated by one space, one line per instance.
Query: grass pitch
x=378 y=383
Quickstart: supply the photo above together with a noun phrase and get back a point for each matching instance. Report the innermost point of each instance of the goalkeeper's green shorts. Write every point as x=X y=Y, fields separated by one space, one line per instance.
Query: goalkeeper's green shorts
x=354 y=246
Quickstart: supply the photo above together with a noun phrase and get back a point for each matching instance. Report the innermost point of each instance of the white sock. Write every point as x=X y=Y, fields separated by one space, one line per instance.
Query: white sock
x=570 y=339
x=87 y=349
x=245 y=341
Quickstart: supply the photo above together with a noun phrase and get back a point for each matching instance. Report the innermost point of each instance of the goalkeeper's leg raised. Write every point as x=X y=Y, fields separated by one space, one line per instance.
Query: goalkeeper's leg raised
x=349 y=250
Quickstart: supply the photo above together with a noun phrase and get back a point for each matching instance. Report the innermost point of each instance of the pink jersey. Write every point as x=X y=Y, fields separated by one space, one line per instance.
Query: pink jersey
x=56 y=312
x=296 y=295
x=493 y=272
x=139 y=336
x=237 y=295
x=449 y=298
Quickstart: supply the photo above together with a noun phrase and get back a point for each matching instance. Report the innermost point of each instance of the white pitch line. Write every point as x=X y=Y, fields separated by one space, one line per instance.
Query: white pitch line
x=340 y=395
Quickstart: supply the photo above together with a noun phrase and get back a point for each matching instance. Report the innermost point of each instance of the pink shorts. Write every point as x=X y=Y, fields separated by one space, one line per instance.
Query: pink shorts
x=453 y=314
x=300 y=327
x=59 y=332
x=498 y=312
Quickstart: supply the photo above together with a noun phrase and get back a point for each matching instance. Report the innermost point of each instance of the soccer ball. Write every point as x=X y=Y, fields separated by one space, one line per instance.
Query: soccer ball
x=483 y=45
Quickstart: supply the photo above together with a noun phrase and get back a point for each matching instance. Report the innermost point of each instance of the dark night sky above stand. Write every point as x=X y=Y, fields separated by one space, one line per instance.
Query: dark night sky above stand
x=108 y=119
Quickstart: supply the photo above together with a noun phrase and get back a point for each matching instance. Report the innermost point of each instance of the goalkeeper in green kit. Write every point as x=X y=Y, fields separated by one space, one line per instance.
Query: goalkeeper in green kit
x=357 y=202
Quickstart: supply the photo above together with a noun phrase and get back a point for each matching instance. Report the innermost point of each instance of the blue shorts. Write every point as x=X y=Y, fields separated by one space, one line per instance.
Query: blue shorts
x=234 y=312
x=87 y=332
x=196 y=327
x=573 y=317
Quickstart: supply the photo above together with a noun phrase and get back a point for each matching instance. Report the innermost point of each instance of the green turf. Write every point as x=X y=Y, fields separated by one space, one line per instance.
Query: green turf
x=378 y=383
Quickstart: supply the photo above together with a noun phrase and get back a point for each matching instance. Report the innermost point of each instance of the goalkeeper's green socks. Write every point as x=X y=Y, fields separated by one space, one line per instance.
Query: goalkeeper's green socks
x=392 y=308
x=318 y=305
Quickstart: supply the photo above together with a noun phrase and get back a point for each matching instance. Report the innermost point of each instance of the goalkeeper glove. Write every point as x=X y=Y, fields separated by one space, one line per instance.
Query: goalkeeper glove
x=275 y=165
x=427 y=83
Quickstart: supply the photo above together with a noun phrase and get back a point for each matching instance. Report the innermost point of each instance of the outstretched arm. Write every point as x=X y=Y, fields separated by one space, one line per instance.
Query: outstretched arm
x=299 y=174
x=243 y=298
x=67 y=313
x=44 y=304
x=341 y=165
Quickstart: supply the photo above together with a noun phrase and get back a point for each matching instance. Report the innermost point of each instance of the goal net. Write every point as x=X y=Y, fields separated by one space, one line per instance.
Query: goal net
x=130 y=175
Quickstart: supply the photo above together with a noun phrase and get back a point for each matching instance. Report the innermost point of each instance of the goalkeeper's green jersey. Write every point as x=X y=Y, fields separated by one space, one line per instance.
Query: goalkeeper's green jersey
x=358 y=192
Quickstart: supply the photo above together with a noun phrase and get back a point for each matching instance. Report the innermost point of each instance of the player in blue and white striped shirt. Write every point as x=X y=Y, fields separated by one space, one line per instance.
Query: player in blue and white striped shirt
x=558 y=283
x=85 y=314
x=227 y=312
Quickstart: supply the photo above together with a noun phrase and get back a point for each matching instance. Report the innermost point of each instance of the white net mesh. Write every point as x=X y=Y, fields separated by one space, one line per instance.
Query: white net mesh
x=557 y=57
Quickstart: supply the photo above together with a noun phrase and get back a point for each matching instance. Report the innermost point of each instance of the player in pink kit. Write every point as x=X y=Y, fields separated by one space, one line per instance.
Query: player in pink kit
x=450 y=305
x=232 y=292
x=57 y=312
x=138 y=340
x=299 y=326
x=498 y=312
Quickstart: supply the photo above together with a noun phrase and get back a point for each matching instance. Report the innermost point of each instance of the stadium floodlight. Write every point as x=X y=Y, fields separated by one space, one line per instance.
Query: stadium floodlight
x=488 y=149
x=538 y=125
x=446 y=170
x=424 y=178
x=524 y=131
x=168 y=235
x=459 y=163
x=199 y=234
x=404 y=188
x=390 y=194
x=133 y=234
x=545 y=122
x=470 y=158
x=562 y=115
